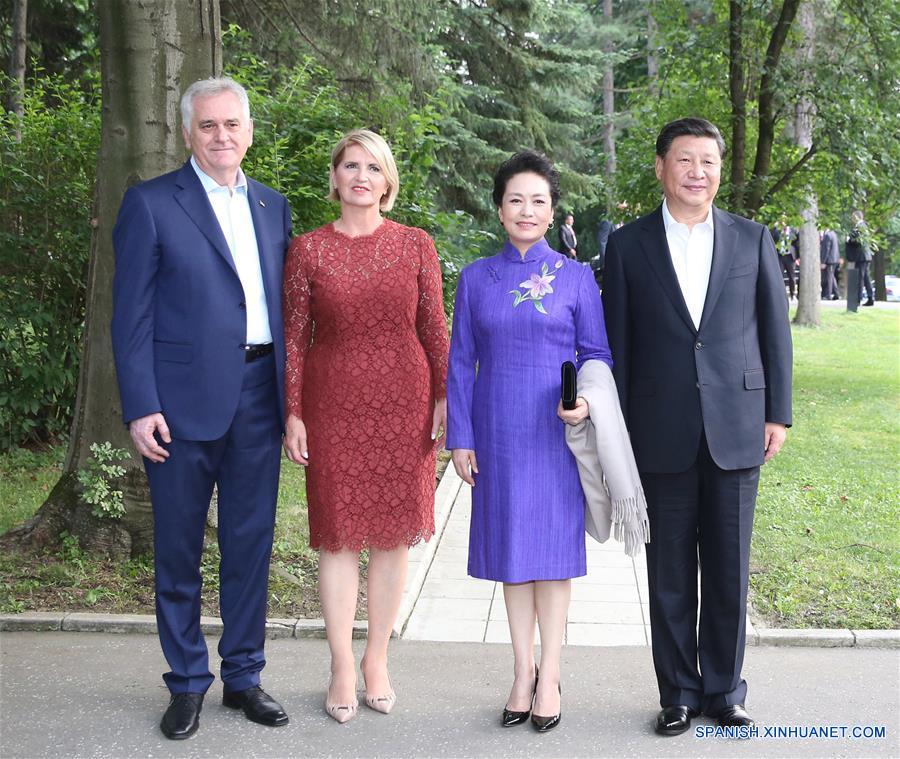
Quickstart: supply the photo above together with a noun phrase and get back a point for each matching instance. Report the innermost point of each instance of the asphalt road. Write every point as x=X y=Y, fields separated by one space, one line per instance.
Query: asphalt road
x=66 y=694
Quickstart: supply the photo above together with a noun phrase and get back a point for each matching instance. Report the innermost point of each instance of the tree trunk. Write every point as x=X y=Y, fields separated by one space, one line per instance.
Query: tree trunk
x=609 y=104
x=809 y=298
x=17 y=62
x=652 y=57
x=738 y=92
x=150 y=51
x=768 y=115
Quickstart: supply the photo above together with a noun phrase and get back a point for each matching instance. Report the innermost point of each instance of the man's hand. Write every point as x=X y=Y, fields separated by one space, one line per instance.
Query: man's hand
x=439 y=421
x=145 y=444
x=465 y=464
x=295 y=440
x=775 y=437
x=574 y=416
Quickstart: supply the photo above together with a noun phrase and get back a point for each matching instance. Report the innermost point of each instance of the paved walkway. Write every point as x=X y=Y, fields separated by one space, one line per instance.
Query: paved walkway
x=609 y=605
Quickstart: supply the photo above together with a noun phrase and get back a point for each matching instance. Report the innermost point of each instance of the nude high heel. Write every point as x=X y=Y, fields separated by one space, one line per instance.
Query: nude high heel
x=340 y=712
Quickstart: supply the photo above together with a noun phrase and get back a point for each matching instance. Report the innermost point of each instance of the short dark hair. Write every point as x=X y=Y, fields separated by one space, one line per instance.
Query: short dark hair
x=520 y=163
x=691 y=127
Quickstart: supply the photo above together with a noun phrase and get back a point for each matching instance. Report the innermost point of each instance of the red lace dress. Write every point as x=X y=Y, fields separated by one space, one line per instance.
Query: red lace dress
x=366 y=358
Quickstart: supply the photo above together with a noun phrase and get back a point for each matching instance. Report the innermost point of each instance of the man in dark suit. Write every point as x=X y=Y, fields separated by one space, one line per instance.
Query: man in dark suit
x=199 y=349
x=568 y=242
x=829 y=257
x=859 y=252
x=698 y=326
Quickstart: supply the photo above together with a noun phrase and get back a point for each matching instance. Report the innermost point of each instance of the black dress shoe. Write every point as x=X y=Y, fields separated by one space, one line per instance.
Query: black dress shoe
x=675 y=719
x=734 y=716
x=258 y=706
x=869 y=303
x=546 y=724
x=182 y=718
x=510 y=717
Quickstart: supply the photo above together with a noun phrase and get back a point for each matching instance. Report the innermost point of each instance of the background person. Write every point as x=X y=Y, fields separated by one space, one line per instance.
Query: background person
x=829 y=257
x=568 y=241
x=365 y=385
x=520 y=314
x=859 y=252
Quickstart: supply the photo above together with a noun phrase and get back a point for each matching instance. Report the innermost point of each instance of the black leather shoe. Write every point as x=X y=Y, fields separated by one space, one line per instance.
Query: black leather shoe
x=869 y=303
x=258 y=706
x=182 y=718
x=675 y=719
x=511 y=718
x=734 y=716
x=546 y=724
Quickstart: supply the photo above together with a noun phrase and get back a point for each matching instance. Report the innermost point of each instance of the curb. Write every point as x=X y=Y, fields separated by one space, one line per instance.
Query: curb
x=422 y=555
x=51 y=621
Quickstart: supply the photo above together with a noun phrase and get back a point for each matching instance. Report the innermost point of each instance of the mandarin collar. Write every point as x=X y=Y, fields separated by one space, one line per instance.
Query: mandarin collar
x=536 y=252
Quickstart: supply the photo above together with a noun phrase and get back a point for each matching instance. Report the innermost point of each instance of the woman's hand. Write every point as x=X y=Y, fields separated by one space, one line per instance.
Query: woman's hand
x=295 y=440
x=575 y=415
x=465 y=464
x=439 y=421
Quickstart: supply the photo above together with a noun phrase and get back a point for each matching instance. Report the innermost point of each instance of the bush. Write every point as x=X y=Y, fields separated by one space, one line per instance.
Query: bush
x=46 y=185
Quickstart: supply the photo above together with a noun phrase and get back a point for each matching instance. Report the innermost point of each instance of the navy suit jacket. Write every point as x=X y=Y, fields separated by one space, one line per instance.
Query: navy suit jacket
x=727 y=378
x=179 y=316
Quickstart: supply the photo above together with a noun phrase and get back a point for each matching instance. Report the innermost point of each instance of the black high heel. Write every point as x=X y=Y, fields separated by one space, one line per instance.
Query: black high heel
x=511 y=718
x=545 y=724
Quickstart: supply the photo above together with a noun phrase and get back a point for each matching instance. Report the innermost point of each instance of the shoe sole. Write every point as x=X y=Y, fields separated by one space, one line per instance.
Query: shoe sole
x=670 y=731
x=267 y=723
x=180 y=736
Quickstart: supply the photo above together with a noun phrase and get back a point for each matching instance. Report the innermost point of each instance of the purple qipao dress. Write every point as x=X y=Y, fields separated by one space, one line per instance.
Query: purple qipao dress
x=515 y=322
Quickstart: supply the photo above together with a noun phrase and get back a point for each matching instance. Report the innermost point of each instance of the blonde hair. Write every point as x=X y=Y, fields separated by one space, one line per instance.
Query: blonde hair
x=375 y=145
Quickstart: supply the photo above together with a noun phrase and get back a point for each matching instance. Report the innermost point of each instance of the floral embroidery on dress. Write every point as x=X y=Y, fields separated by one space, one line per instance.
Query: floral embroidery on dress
x=536 y=287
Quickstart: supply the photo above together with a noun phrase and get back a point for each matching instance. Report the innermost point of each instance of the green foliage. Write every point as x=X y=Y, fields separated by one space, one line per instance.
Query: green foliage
x=46 y=182
x=26 y=478
x=98 y=480
x=300 y=113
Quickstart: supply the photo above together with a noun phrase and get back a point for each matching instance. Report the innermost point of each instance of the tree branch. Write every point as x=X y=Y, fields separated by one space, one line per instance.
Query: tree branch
x=788 y=175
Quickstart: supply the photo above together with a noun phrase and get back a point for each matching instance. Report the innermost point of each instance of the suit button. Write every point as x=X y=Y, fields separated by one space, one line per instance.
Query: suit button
x=698 y=384
x=242 y=306
x=699 y=345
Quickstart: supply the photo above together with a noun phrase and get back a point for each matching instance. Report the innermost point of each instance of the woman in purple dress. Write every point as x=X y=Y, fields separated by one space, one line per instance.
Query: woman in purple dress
x=519 y=315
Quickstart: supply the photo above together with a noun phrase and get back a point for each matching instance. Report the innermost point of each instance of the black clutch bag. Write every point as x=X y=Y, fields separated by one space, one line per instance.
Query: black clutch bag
x=569 y=385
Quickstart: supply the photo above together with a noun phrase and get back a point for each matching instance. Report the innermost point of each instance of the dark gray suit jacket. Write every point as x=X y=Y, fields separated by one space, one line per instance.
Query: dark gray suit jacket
x=727 y=378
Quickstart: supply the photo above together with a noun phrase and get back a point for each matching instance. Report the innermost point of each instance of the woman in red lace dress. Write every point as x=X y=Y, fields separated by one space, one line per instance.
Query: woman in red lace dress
x=366 y=402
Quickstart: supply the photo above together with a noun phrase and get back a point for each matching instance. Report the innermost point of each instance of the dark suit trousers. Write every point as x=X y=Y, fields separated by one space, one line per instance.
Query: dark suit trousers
x=865 y=281
x=707 y=511
x=244 y=463
x=829 y=281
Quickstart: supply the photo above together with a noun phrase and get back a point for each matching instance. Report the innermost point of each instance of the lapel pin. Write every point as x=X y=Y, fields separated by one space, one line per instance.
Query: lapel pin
x=262 y=204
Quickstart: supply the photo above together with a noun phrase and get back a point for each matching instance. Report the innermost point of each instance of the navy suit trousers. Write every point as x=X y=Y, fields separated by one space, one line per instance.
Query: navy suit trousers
x=705 y=514
x=244 y=464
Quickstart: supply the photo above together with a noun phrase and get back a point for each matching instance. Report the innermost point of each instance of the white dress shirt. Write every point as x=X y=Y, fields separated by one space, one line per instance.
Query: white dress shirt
x=232 y=210
x=692 y=252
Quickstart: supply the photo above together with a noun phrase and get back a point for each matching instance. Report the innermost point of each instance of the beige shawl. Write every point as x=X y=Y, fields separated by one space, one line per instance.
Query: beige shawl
x=609 y=476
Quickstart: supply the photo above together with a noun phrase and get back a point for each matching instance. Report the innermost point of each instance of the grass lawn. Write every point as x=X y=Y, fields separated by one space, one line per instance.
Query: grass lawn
x=826 y=543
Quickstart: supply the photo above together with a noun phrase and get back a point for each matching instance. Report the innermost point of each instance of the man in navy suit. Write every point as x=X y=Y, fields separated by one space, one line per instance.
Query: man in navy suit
x=698 y=326
x=199 y=349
